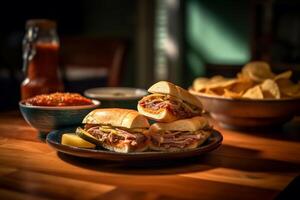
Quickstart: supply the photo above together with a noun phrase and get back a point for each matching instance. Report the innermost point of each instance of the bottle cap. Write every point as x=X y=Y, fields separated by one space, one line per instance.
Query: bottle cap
x=41 y=23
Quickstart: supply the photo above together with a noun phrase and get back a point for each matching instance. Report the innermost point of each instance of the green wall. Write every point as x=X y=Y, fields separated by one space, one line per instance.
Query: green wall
x=217 y=32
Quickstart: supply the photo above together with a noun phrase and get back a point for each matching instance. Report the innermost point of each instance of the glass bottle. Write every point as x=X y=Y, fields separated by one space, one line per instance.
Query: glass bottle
x=40 y=59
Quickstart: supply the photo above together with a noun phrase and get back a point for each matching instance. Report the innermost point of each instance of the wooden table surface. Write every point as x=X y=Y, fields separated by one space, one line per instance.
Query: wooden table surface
x=247 y=166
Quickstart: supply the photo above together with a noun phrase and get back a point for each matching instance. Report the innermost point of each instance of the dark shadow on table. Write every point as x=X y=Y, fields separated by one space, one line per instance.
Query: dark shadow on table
x=287 y=132
x=232 y=157
x=149 y=167
x=225 y=157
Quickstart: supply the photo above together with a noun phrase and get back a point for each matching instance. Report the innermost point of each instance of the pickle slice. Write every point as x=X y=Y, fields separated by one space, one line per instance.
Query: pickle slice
x=87 y=136
x=71 y=139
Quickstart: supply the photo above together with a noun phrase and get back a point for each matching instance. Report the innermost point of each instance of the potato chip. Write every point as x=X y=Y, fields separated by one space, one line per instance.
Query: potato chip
x=284 y=83
x=254 y=93
x=215 y=91
x=288 y=88
x=225 y=83
x=217 y=78
x=200 y=83
x=230 y=94
x=240 y=86
x=293 y=91
x=257 y=71
x=270 y=89
x=213 y=83
x=242 y=77
x=255 y=81
x=284 y=75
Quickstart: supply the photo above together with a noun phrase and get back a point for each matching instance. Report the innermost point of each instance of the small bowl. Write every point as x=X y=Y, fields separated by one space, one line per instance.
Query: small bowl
x=47 y=118
x=121 y=97
x=249 y=113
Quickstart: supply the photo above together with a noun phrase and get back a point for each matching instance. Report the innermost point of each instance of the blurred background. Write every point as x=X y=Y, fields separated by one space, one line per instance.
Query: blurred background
x=151 y=40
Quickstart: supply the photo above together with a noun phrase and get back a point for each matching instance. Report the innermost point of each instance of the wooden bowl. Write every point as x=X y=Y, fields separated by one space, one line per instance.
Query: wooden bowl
x=246 y=113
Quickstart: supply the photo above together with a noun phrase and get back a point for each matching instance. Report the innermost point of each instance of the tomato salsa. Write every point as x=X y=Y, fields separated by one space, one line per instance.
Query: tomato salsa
x=58 y=99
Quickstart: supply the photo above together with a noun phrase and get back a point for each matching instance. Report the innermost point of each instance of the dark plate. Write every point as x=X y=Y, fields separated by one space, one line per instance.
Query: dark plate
x=54 y=140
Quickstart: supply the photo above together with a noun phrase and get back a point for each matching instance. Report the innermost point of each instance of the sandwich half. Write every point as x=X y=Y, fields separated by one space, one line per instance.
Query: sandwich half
x=115 y=129
x=179 y=135
x=168 y=103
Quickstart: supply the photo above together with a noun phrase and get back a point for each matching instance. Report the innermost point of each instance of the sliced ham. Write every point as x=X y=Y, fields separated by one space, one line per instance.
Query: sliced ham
x=176 y=139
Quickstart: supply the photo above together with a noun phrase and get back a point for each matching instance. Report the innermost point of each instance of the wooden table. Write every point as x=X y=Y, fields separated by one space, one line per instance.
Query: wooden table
x=247 y=166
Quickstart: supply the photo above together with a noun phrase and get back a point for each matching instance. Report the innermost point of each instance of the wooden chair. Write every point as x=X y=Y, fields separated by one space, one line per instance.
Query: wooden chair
x=101 y=57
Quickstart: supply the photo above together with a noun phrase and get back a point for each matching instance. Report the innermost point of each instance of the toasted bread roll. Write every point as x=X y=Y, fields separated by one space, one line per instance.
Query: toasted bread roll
x=180 y=135
x=164 y=87
x=191 y=124
x=116 y=117
x=169 y=103
x=119 y=130
x=163 y=115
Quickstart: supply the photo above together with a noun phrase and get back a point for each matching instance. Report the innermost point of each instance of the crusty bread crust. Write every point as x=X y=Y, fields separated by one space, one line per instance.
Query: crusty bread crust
x=163 y=116
x=117 y=117
x=165 y=87
x=191 y=124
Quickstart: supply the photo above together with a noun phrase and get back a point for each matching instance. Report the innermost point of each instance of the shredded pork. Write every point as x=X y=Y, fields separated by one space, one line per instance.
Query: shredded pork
x=117 y=136
x=177 y=107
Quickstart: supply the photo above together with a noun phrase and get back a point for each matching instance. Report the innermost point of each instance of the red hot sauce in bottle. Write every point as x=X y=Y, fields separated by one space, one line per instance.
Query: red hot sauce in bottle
x=40 y=55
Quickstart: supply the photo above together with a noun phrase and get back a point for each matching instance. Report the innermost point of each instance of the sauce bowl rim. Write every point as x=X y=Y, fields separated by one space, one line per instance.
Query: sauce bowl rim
x=95 y=104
